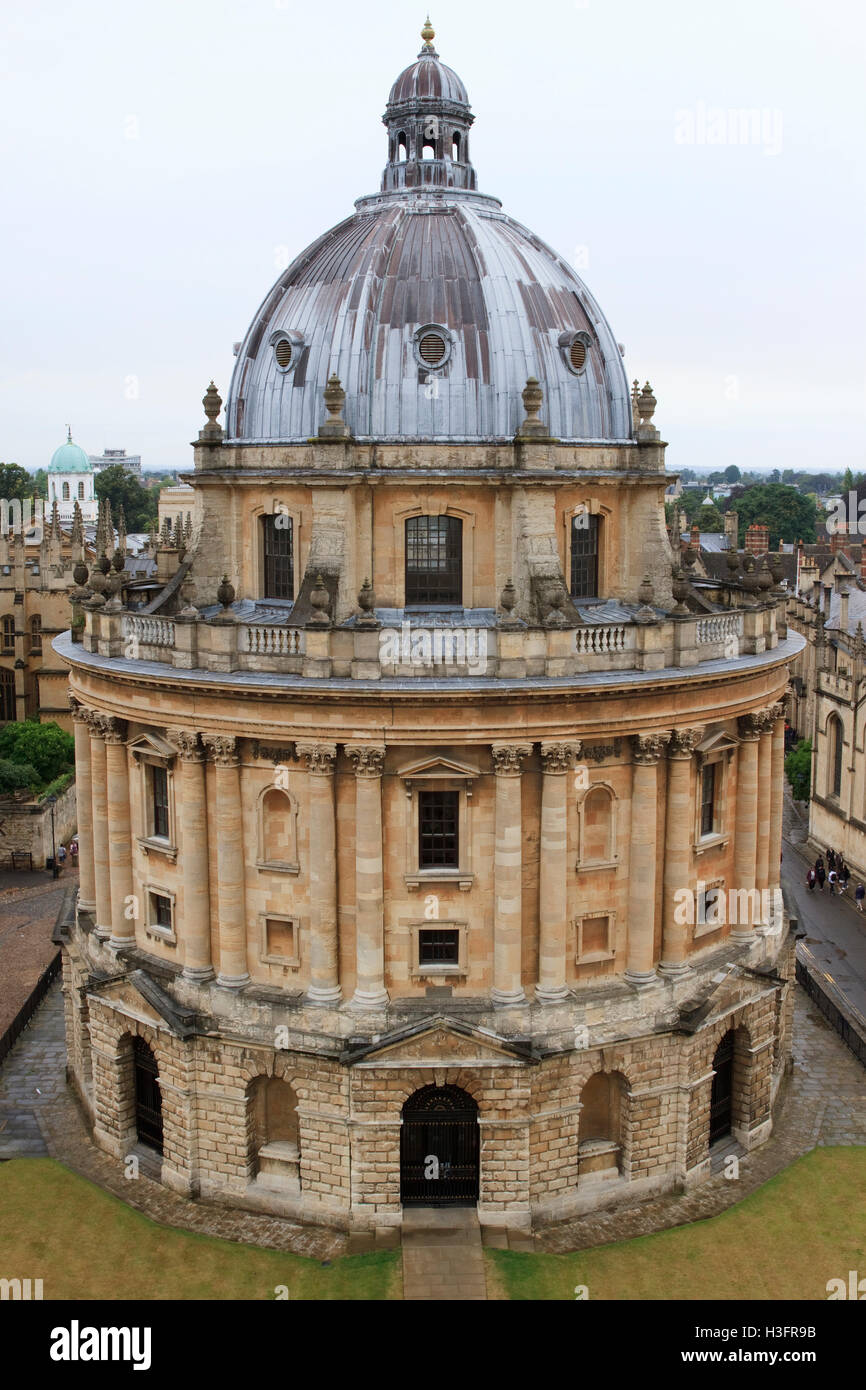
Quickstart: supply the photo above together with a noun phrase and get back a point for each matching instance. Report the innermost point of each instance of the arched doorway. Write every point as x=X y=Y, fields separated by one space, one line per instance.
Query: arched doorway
x=148 y=1097
x=722 y=1094
x=439 y=1149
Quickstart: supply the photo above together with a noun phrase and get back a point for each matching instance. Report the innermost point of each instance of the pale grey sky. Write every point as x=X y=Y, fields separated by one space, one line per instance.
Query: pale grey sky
x=160 y=162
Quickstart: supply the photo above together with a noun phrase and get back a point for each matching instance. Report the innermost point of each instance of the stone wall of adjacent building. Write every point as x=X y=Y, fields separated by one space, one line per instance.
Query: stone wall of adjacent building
x=26 y=827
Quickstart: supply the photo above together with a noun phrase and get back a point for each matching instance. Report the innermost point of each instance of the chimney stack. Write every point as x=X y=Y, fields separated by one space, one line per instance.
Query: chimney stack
x=695 y=538
x=844 y=594
x=732 y=523
x=758 y=538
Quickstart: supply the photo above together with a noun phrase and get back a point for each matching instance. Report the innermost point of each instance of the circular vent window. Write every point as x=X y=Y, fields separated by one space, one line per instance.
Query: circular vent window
x=283 y=352
x=577 y=354
x=433 y=349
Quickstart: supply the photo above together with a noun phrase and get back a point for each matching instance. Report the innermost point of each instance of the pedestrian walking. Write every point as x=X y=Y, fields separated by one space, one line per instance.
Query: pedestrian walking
x=832 y=879
x=859 y=895
x=844 y=874
x=73 y=849
x=819 y=862
x=831 y=859
x=810 y=880
x=821 y=875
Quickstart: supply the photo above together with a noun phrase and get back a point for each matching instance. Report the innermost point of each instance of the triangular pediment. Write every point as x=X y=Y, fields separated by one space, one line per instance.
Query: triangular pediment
x=436 y=767
x=441 y=1042
x=716 y=741
x=153 y=744
x=141 y=998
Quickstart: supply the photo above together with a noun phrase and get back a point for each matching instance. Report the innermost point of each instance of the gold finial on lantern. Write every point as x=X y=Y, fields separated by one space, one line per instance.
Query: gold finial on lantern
x=428 y=33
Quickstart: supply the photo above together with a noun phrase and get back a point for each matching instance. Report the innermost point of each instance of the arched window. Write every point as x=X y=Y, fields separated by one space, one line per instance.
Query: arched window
x=36 y=633
x=148 y=1096
x=597 y=827
x=602 y=1122
x=584 y=556
x=278 y=556
x=81 y=492
x=428 y=149
x=401 y=147
x=278 y=830
x=455 y=146
x=434 y=560
x=65 y=492
x=7 y=695
x=836 y=746
x=8 y=634
x=274 y=1133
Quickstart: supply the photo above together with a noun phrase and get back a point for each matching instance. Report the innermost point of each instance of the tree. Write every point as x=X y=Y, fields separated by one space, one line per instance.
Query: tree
x=15 y=481
x=798 y=769
x=45 y=747
x=140 y=504
x=688 y=475
x=732 y=473
x=788 y=514
x=40 y=484
x=710 y=519
x=847 y=481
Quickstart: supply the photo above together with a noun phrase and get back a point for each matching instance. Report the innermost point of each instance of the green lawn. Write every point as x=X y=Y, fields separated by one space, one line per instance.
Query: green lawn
x=803 y=1227
x=84 y=1243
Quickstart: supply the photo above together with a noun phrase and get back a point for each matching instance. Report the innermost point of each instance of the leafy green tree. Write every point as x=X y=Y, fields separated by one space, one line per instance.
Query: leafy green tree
x=15 y=481
x=16 y=776
x=710 y=519
x=798 y=769
x=788 y=514
x=732 y=473
x=847 y=480
x=140 y=504
x=40 y=484
x=45 y=747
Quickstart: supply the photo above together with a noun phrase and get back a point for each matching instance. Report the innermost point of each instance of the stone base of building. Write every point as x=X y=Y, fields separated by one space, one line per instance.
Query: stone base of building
x=436 y=1110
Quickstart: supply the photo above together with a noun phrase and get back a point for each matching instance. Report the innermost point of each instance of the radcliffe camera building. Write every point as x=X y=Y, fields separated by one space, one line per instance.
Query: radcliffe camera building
x=430 y=816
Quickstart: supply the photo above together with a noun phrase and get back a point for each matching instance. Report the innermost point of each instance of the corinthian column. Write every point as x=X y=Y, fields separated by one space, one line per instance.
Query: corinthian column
x=195 y=932
x=746 y=826
x=678 y=839
x=119 y=833
x=777 y=782
x=370 y=989
x=640 y=966
x=324 y=986
x=556 y=760
x=233 y=971
x=507 y=876
x=99 y=804
x=84 y=807
x=764 y=809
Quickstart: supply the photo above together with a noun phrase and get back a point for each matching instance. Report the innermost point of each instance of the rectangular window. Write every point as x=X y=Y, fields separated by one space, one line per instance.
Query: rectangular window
x=279 y=569
x=159 y=788
x=8 y=634
x=708 y=798
x=160 y=911
x=434 y=560
x=439 y=947
x=584 y=556
x=437 y=830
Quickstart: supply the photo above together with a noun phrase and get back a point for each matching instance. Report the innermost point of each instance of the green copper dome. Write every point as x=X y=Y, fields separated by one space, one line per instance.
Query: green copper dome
x=69 y=458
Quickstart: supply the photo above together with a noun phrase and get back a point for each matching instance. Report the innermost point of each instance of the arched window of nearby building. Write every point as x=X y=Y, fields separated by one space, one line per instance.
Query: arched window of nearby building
x=836 y=746
x=584 y=555
x=278 y=556
x=434 y=560
x=7 y=695
x=9 y=634
x=65 y=492
x=36 y=633
x=81 y=492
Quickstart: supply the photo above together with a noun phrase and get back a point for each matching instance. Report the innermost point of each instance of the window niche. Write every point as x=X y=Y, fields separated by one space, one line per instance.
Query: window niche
x=597 y=821
x=278 y=831
x=279 y=940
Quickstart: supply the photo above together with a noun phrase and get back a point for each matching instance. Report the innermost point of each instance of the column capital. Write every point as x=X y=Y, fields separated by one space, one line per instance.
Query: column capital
x=559 y=757
x=648 y=748
x=777 y=711
x=683 y=742
x=750 y=727
x=319 y=757
x=186 y=742
x=507 y=758
x=223 y=748
x=112 y=730
x=368 y=760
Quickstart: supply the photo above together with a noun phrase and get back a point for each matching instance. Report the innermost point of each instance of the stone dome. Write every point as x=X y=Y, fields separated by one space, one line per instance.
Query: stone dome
x=70 y=458
x=432 y=307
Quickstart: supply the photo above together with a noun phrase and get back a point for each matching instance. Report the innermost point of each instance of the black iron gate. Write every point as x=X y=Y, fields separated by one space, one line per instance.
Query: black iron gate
x=723 y=1089
x=439 y=1149
x=148 y=1098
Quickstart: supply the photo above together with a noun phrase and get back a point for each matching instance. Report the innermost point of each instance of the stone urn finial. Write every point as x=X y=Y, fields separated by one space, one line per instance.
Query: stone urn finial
x=319 y=602
x=555 y=598
x=646 y=592
x=533 y=396
x=367 y=605
x=212 y=402
x=646 y=404
x=765 y=579
x=226 y=593
x=335 y=426
x=679 y=589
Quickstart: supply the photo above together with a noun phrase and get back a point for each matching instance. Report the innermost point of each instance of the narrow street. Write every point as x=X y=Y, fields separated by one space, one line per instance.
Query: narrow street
x=835 y=930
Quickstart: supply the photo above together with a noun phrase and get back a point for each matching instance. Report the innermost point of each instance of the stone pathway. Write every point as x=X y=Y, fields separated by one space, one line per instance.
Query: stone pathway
x=29 y=905
x=443 y=1258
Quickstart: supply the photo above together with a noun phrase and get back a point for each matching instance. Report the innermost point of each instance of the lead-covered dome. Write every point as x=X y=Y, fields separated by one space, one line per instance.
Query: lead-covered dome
x=431 y=306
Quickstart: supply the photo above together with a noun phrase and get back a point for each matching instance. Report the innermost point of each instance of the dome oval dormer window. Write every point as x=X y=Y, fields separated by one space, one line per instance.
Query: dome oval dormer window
x=287 y=347
x=575 y=351
x=432 y=345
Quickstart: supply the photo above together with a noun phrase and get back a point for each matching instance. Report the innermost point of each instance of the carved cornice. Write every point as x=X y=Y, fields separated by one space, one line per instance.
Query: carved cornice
x=648 y=748
x=559 y=757
x=223 y=748
x=319 y=757
x=187 y=744
x=367 y=761
x=507 y=758
x=684 y=742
